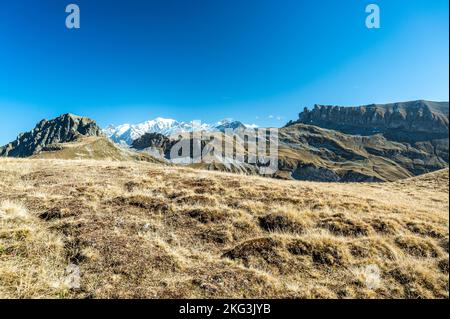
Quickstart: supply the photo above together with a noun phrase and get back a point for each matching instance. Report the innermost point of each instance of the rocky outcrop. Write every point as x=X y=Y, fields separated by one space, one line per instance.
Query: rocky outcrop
x=366 y=143
x=399 y=121
x=152 y=140
x=63 y=129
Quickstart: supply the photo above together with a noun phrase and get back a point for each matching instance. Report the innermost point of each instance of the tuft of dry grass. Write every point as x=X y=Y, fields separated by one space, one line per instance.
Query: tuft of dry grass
x=145 y=230
x=31 y=263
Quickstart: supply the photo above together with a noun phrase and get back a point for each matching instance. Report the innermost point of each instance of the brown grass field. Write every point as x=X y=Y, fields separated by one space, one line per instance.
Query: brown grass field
x=145 y=230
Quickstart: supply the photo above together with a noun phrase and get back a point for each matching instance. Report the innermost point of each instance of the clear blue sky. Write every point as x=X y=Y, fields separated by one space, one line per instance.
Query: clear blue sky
x=252 y=60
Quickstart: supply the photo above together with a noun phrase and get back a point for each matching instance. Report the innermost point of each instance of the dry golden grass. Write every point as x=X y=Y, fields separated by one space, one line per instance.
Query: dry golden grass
x=142 y=230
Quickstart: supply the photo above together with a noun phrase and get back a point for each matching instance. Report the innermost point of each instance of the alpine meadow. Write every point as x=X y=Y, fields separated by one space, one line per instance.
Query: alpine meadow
x=223 y=157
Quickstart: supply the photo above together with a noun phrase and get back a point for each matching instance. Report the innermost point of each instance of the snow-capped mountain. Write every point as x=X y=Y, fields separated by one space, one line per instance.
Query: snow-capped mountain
x=127 y=133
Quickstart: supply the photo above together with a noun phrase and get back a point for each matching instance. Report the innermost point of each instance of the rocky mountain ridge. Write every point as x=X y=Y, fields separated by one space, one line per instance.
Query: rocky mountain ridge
x=399 y=121
x=63 y=129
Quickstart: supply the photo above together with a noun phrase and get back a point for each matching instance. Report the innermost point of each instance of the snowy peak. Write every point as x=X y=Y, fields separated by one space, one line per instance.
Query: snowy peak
x=229 y=124
x=127 y=133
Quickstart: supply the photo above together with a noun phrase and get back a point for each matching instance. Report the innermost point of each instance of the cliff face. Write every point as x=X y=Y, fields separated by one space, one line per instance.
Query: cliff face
x=366 y=143
x=65 y=128
x=423 y=117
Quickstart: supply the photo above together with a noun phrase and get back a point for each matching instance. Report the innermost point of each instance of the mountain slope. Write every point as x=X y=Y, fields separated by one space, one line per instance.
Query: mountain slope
x=65 y=128
x=160 y=146
x=380 y=142
x=92 y=148
x=309 y=152
x=141 y=230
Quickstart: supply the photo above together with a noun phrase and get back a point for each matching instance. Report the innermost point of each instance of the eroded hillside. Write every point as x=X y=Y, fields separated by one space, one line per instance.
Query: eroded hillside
x=142 y=230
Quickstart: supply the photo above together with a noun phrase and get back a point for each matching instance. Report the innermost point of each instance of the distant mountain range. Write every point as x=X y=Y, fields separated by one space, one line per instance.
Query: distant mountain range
x=378 y=142
x=127 y=133
x=328 y=143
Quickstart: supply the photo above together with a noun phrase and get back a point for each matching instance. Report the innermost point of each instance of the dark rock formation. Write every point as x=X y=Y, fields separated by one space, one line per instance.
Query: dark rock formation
x=66 y=128
x=366 y=143
x=152 y=140
x=155 y=142
x=405 y=121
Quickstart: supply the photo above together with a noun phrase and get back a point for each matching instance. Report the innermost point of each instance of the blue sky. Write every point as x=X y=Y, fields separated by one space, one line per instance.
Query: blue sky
x=259 y=61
